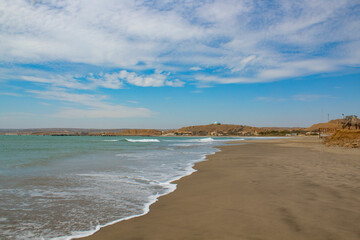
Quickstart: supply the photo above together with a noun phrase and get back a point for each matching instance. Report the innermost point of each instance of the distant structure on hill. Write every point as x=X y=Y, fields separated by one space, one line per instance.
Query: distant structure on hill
x=351 y=121
x=216 y=123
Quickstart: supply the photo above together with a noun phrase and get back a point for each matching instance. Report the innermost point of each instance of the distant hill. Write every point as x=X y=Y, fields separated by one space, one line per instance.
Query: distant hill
x=224 y=129
x=200 y=130
x=215 y=129
x=234 y=130
x=335 y=124
x=135 y=132
x=57 y=130
x=81 y=132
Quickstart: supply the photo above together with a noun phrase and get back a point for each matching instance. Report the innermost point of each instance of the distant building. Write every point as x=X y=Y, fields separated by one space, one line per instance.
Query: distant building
x=216 y=123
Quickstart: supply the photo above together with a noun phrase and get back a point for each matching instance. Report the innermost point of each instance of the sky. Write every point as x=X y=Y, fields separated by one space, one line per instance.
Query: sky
x=167 y=64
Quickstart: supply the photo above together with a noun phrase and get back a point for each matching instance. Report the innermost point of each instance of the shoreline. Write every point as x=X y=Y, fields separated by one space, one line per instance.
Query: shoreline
x=155 y=198
x=181 y=213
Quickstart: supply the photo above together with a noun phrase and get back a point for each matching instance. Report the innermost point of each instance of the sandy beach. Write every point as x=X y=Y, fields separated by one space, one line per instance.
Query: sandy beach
x=273 y=189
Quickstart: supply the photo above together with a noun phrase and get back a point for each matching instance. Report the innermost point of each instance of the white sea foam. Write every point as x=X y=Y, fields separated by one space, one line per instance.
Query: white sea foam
x=142 y=140
x=113 y=140
x=169 y=185
x=206 y=140
x=198 y=140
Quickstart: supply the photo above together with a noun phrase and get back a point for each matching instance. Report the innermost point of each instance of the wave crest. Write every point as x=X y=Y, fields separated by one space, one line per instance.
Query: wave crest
x=142 y=140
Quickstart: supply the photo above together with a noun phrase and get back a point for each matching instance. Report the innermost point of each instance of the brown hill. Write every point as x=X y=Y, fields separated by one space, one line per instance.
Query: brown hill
x=217 y=129
x=345 y=138
x=334 y=124
x=140 y=132
x=128 y=132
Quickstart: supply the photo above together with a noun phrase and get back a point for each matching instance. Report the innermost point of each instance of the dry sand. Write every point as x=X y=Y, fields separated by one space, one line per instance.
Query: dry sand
x=278 y=189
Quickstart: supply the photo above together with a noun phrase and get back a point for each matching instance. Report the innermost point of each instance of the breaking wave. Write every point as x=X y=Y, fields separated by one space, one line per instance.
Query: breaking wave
x=142 y=140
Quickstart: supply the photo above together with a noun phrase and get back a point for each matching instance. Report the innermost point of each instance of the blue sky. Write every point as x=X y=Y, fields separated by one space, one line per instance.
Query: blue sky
x=168 y=64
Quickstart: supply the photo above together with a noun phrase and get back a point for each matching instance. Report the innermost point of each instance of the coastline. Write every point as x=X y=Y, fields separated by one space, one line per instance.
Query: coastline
x=171 y=185
x=271 y=189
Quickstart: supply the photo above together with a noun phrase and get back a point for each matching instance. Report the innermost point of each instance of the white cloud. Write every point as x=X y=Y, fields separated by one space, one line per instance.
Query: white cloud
x=196 y=68
x=106 y=81
x=270 y=99
x=109 y=112
x=16 y=115
x=197 y=91
x=154 y=80
x=10 y=94
x=310 y=97
x=298 y=97
x=89 y=106
x=175 y=83
x=224 y=80
x=112 y=33
x=61 y=95
x=250 y=41
x=134 y=79
x=267 y=99
x=299 y=68
x=45 y=104
x=58 y=81
x=109 y=80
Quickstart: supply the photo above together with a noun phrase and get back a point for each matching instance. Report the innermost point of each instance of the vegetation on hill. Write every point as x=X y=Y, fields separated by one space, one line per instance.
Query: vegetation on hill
x=282 y=132
x=235 y=130
x=140 y=132
x=217 y=129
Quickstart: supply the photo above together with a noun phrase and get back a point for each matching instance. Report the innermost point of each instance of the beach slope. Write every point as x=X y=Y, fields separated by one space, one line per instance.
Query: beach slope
x=273 y=189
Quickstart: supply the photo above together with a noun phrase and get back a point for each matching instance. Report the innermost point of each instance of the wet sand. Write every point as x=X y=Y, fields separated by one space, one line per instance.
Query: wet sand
x=274 y=189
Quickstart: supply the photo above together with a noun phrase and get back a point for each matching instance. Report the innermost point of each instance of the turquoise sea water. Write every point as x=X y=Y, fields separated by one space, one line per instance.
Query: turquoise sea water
x=58 y=187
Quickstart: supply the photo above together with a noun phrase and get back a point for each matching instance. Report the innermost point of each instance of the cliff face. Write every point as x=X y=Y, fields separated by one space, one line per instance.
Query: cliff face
x=344 y=138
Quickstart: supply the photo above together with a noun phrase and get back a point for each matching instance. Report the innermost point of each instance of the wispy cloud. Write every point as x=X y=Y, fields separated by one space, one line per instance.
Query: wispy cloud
x=297 y=97
x=197 y=91
x=89 y=106
x=108 y=112
x=195 y=68
x=154 y=80
x=271 y=99
x=310 y=97
x=10 y=94
x=16 y=115
x=114 y=80
x=59 y=81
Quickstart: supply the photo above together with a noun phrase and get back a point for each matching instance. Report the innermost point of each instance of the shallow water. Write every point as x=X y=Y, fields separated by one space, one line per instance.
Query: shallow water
x=57 y=187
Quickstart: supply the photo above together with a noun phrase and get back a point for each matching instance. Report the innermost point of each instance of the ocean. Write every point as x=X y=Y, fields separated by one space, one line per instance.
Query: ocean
x=70 y=186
